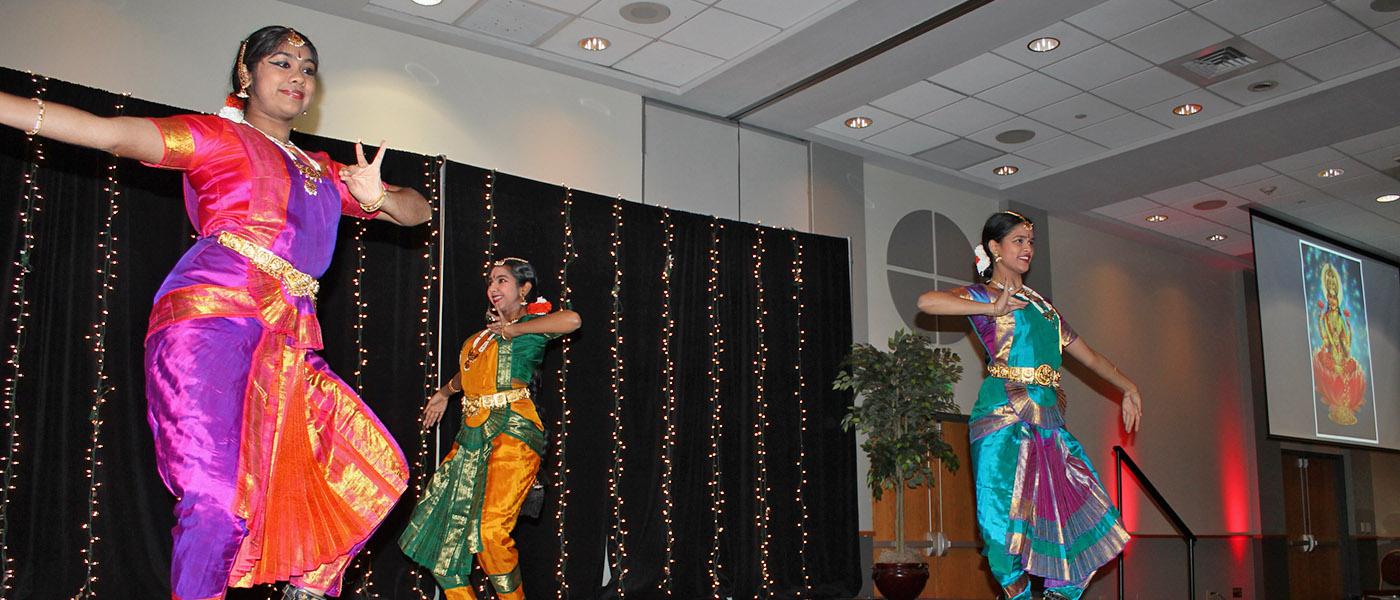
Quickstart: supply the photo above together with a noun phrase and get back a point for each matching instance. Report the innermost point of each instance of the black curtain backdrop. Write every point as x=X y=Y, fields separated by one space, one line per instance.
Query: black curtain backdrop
x=694 y=448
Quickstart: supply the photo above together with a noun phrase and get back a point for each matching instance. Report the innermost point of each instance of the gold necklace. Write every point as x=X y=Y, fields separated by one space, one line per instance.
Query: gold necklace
x=310 y=175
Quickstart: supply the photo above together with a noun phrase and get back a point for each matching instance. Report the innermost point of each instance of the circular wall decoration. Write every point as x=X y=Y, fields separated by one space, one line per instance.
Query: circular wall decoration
x=927 y=251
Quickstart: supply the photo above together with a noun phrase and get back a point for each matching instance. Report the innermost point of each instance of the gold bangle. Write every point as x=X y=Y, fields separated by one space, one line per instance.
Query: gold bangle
x=39 y=120
x=377 y=204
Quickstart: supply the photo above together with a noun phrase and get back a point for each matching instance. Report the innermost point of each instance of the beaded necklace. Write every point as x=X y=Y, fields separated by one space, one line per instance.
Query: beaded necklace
x=310 y=169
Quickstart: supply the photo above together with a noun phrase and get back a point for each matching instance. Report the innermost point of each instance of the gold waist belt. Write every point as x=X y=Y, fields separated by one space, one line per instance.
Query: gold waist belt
x=1042 y=375
x=295 y=282
x=471 y=404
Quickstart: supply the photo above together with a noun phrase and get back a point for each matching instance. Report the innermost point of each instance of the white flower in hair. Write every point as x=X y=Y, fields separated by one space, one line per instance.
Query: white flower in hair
x=983 y=261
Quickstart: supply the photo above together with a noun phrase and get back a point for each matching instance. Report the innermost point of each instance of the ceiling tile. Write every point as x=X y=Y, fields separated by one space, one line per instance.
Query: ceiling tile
x=1362 y=11
x=1243 y=16
x=513 y=20
x=1062 y=150
x=1381 y=158
x=1028 y=92
x=1351 y=169
x=447 y=11
x=966 y=116
x=1308 y=31
x=1096 y=66
x=980 y=73
x=1347 y=56
x=880 y=121
x=608 y=11
x=1316 y=156
x=575 y=7
x=1077 y=112
x=1212 y=107
x=1233 y=214
x=1187 y=191
x=959 y=154
x=1309 y=209
x=1072 y=41
x=1289 y=80
x=988 y=136
x=1267 y=190
x=1390 y=32
x=1236 y=246
x=1131 y=206
x=1122 y=130
x=1370 y=142
x=1238 y=177
x=1363 y=189
x=987 y=170
x=779 y=13
x=1117 y=17
x=1302 y=196
x=668 y=63
x=1172 y=37
x=565 y=42
x=918 y=99
x=721 y=34
x=910 y=137
x=1145 y=88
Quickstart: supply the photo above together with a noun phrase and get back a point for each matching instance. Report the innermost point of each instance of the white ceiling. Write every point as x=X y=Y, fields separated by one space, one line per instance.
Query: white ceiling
x=1104 y=145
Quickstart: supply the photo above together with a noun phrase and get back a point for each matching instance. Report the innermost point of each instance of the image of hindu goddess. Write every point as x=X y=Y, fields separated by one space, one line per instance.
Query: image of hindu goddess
x=1337 y=376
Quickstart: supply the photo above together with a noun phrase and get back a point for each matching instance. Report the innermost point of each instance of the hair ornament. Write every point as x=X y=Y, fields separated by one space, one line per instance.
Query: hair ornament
x=983 y=261
x=501 y=262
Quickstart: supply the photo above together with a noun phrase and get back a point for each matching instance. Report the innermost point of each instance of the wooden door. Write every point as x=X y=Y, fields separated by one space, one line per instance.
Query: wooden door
x=1313 y=519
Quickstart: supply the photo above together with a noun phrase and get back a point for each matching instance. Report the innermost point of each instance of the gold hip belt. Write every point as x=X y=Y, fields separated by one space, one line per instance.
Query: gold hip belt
x=293 y=281
x=471 y=404
x=1042 y=375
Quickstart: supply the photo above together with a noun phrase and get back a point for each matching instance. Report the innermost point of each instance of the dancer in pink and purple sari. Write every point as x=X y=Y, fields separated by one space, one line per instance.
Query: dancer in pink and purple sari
x=280 y=471
x=1041 y=509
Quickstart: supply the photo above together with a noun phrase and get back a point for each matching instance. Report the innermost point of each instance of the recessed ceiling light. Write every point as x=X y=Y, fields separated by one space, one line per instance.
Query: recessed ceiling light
x=1156 y=218
x=594 y=43
x=1186 y=110
x=427 y=2
x=1044 y=44
x=1388 y=198
x=1217 y=237
x=859 y=122
x=1209 y=204
x=1005 y=170
x=1331 y=172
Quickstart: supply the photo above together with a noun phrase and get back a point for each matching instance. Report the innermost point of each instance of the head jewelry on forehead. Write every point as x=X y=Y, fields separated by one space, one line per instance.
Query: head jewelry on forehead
x=295 y=38
x=501 y=262
x=1024 y=220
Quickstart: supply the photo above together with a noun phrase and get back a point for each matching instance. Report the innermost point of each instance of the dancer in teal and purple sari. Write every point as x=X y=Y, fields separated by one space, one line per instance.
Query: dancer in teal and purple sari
x=1041 y=508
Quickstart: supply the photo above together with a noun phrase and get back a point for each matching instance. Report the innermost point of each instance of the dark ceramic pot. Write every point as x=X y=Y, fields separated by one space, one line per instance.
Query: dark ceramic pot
x=900 y=581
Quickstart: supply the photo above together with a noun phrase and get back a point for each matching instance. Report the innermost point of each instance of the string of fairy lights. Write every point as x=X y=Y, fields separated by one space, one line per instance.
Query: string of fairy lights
x=31 y=204
x=668 y=434
x=615 y=470
x=561 y=472
x=800 y=395
x=763 y=511
x=714 y=296
x=427 y=336
x=104 y=279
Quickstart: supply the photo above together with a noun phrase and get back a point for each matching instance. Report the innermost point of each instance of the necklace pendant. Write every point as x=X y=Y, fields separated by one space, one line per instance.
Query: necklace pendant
x=310 y=186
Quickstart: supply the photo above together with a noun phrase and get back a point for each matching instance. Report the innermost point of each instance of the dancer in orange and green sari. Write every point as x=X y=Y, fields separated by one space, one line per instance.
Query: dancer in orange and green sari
x=1041 y=508
x=473 y=500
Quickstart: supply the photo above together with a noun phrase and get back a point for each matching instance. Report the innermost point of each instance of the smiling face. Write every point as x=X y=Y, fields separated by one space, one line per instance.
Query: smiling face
x=1016 y=249
x=504 y=293
x=284 y=82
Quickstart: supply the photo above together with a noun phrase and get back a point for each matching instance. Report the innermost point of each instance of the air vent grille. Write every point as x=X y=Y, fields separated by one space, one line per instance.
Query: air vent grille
x=1218 y=63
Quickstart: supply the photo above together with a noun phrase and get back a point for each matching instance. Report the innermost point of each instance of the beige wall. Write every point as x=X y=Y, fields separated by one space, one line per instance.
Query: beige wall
x=474 y=108
x=1176 y=326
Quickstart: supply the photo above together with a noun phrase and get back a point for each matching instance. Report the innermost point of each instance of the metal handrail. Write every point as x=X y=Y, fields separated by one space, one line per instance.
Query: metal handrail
x=1121 y=458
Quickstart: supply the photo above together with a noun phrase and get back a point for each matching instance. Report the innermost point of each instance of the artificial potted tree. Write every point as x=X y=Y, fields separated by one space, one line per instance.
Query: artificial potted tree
x=899 y=395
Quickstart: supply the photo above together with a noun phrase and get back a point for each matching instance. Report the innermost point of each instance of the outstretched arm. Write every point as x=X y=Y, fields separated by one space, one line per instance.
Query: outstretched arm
x=130 y=137
x=948 y=303
x=1101 y=366
x=560 y=322
x=397 y=205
